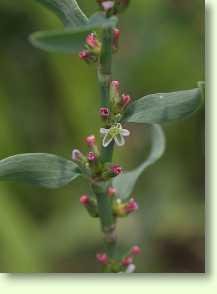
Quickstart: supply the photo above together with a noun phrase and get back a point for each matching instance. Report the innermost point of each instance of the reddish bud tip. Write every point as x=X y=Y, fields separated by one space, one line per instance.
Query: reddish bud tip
x=117 y=34
x=111 y=191
x=104 y=112
x=116 y=169
x=116 y=85
x=102 y=258
x=127 y=261
x=91 y=156
x=84 y=200
x=84 y=55
x=91 y=40
x=135 y=250
x=132 y=206
x=126 y=99
x=91 y=140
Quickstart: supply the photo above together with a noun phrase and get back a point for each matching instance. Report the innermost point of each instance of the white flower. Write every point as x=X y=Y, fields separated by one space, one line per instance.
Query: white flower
x=116 y=133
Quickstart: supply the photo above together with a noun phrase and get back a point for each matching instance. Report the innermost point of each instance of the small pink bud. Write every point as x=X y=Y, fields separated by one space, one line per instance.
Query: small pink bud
x=126 y=99
x=107 y=5
x=132 y=206
x=76 y=154
x=91 y=156
x=104 y=112
x=135 y=250
x=111 y=191
x=102 y=258
x=84 y=55
x=127 y=261
x=116 y=169
x=116 y=85
x=116 y=33
x=91 y=40
x=84 y=200
x=91 y=140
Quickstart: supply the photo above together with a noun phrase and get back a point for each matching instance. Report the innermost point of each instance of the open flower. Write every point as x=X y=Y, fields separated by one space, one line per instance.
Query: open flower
x=116 y=133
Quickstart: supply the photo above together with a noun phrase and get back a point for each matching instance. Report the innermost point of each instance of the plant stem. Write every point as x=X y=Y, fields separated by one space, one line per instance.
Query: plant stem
x=100 y=189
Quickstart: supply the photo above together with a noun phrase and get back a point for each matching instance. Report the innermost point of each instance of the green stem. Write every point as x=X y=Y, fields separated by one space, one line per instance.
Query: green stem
x=100 y=189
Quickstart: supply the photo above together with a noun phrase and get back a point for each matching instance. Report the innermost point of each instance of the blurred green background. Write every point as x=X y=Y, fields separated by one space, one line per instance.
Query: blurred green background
x=48 y=103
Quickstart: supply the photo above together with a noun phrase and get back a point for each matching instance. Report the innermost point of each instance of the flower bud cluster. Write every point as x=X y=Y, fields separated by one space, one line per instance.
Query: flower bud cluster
x=92 y=165
x=122 y=209
x=125 y=264
x=92 y=49
x=118 y=103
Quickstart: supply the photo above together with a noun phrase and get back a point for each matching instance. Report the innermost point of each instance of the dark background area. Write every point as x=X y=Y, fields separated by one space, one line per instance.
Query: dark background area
x=49 y=102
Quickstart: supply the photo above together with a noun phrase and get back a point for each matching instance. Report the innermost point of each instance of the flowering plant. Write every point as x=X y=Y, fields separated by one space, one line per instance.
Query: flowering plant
x=95 y=40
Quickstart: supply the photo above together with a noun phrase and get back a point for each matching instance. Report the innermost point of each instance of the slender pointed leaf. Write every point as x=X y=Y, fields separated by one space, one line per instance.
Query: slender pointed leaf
x=70 y=40
x=164 y=107
x=125 y=182
x=41 y=169
x=67 y=10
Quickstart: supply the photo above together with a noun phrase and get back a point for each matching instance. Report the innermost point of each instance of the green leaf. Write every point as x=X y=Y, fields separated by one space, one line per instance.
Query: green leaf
x=64 y=42
x=70 y=40
x=41 y=169
x=164 y=107
x=125 y=182
x=67 y=10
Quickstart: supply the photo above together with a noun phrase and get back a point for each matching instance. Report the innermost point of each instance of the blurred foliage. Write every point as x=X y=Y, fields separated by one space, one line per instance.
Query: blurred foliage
x=48 y=103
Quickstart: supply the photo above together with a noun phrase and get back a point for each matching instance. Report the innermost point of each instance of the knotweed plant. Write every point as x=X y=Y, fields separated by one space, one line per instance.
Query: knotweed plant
x=95 y=40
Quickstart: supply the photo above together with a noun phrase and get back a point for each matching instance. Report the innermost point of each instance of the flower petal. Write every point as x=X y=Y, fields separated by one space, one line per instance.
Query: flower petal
x=124 y=132
x=119 y=140
x=131 y=269
x=107 y=140
x=104 y=131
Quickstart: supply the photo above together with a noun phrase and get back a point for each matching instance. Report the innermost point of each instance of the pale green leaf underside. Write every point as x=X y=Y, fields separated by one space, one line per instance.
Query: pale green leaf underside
x=125 y=182
x=163 y=107
x=70 y=40
x=67 y=10
x=41 y=169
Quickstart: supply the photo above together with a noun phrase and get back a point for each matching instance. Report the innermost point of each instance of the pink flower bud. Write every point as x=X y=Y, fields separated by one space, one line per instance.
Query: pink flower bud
x=84 y=200
x=102 y=258
x=132 y=206
x=76 y=154
x=91 y=140
x=107 y=5
x=116 y=85
x=92 y=41
x=127 y=261
x=104 y=112
x=126 y=99
x=135 y=250
x=116 y=169
x=116 y=33
x=91 y=156
x=111 y=191
x=84 y=55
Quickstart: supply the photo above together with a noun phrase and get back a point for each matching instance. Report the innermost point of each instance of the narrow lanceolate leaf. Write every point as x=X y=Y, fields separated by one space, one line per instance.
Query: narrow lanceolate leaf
x=67 y=10
x=70 y=40
x=41 y=169
x=125 y=182
x=163 y=107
